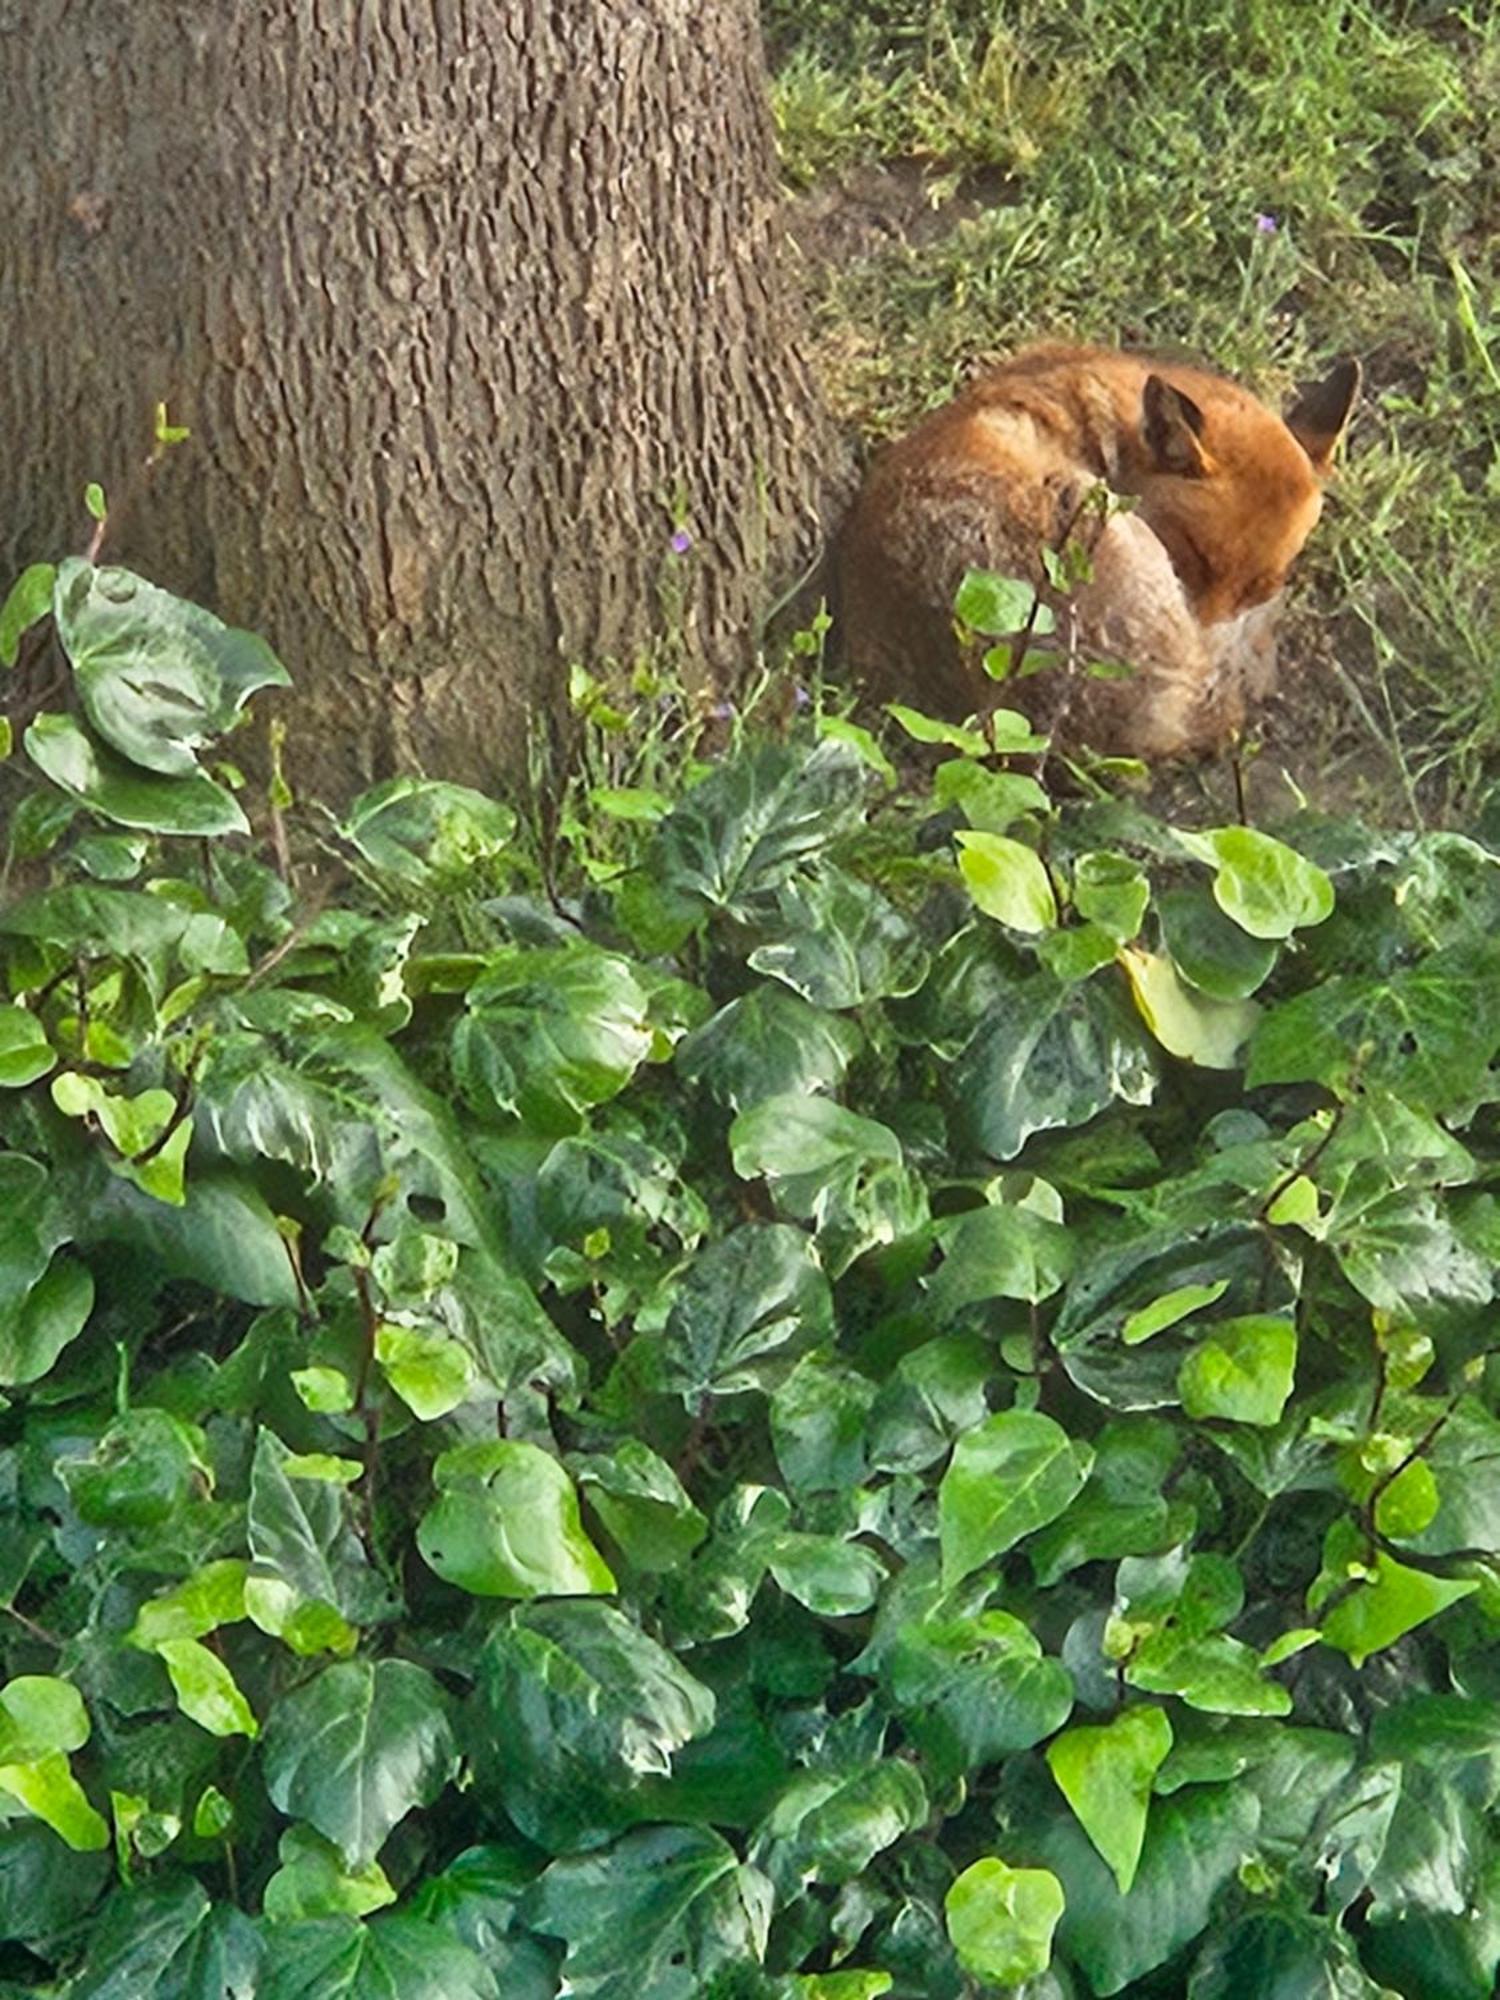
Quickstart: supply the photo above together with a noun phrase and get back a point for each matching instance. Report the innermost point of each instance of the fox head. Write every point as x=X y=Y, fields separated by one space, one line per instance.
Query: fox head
x=1230 y=489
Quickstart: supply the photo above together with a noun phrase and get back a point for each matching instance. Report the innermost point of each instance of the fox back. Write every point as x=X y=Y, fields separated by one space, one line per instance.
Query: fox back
x=1181 y=590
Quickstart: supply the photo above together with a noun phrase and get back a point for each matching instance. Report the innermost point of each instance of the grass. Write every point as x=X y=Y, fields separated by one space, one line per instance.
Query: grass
x=1095 y=168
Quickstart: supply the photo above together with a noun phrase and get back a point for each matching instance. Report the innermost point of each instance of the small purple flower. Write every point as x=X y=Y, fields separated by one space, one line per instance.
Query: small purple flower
x=722 y=711
x=1266 y=225
x=800 y=695
x=681 y=542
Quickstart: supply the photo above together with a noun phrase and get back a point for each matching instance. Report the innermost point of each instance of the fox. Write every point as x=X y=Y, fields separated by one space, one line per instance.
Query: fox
x=1177 y=608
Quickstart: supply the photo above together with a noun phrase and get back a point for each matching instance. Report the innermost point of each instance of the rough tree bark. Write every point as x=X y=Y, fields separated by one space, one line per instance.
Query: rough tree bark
x=461 y=300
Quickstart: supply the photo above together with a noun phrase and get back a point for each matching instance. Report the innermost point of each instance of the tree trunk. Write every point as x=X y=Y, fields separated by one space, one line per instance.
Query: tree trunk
x=468 y=304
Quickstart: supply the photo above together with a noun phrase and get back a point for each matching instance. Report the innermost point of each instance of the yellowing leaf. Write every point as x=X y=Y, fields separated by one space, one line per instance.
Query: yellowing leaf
x=1172 y=1307
x=48 y=1788
x=206 y=1689
x=1187 y=1023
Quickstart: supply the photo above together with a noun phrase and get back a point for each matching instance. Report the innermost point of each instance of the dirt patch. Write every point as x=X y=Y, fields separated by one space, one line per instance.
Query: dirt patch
x=1307 y=742
x=888 y=204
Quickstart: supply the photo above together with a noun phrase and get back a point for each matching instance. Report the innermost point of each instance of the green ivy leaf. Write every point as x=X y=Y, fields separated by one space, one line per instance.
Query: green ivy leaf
x=833 y=1578
x=972 y=1690
x=1409 y=1504
x=341 y=1958
x=990 y=800
x=1210 y=951
x=48 y=1317
x=46 y=1786
x=302 y=1540
x=415 y=829
x=658 y=1914
x=1464 y=1458
x=1008 y=880
x=101 y=779
x=1391 y=1602
x=1214 y=1673
x=642 y=1504
x=28 y=600
x=354 y=1749
x=1001 y=1920
x=749 y=1305
x=806 y=1141
x=206 y=1689
x=818 y=1424
x=998 y=1252
x=1263 y=885
x=25 y=1052
x=1112 y=891
x=767 y=1043
x=1210 y=1033
x=159 y=678
x=1047 y=1053
x=1106 y=1774
x=138 y=1474
x=1427 y=1032
x=926 y=729
x=164 y=1940
x=996 y=605
x=1278 y=1955
x=200 y=1604
x=430 y=1373
x=42 y=1905
x=551 y=1033
x=1194 y=1843
x=1124 y=1509
x=312 y=1881
x=1008 y=1477
x=1241 y=1369
x=40 y=1716
x=843 y=943
x=577 y=1707
x=1171 y=1308
x=476 y=1898
x=828 y=1825
x=753 y=821
x=507 y=1525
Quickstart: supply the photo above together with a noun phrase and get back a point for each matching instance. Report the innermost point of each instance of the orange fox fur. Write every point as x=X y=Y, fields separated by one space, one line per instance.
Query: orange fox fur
x=1183 y=588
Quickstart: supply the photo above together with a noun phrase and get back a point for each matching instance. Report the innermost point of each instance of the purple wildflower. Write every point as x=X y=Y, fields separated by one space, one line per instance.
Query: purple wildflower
x=681 y=542
x=1266 y=225
x=800 y=695
x=722 y=711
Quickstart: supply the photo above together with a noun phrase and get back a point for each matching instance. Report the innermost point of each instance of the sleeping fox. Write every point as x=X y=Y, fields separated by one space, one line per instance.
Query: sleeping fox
x=1182 y=589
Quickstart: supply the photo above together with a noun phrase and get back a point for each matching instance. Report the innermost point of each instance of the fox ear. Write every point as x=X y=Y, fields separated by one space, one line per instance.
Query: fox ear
x=1172 y=426
x=1317 y=418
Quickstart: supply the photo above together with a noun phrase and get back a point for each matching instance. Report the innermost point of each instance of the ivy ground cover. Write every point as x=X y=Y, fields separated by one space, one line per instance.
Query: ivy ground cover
x=833 y=1388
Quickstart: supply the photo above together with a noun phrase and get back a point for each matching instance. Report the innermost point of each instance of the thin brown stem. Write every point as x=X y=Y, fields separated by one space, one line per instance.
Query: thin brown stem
x=363 y=1403
x=1305 y=1165
x=37 y=1632
x=692 y=1448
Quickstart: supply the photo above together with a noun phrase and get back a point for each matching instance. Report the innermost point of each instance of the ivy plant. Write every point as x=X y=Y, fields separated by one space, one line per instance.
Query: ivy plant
x=828 y=1386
